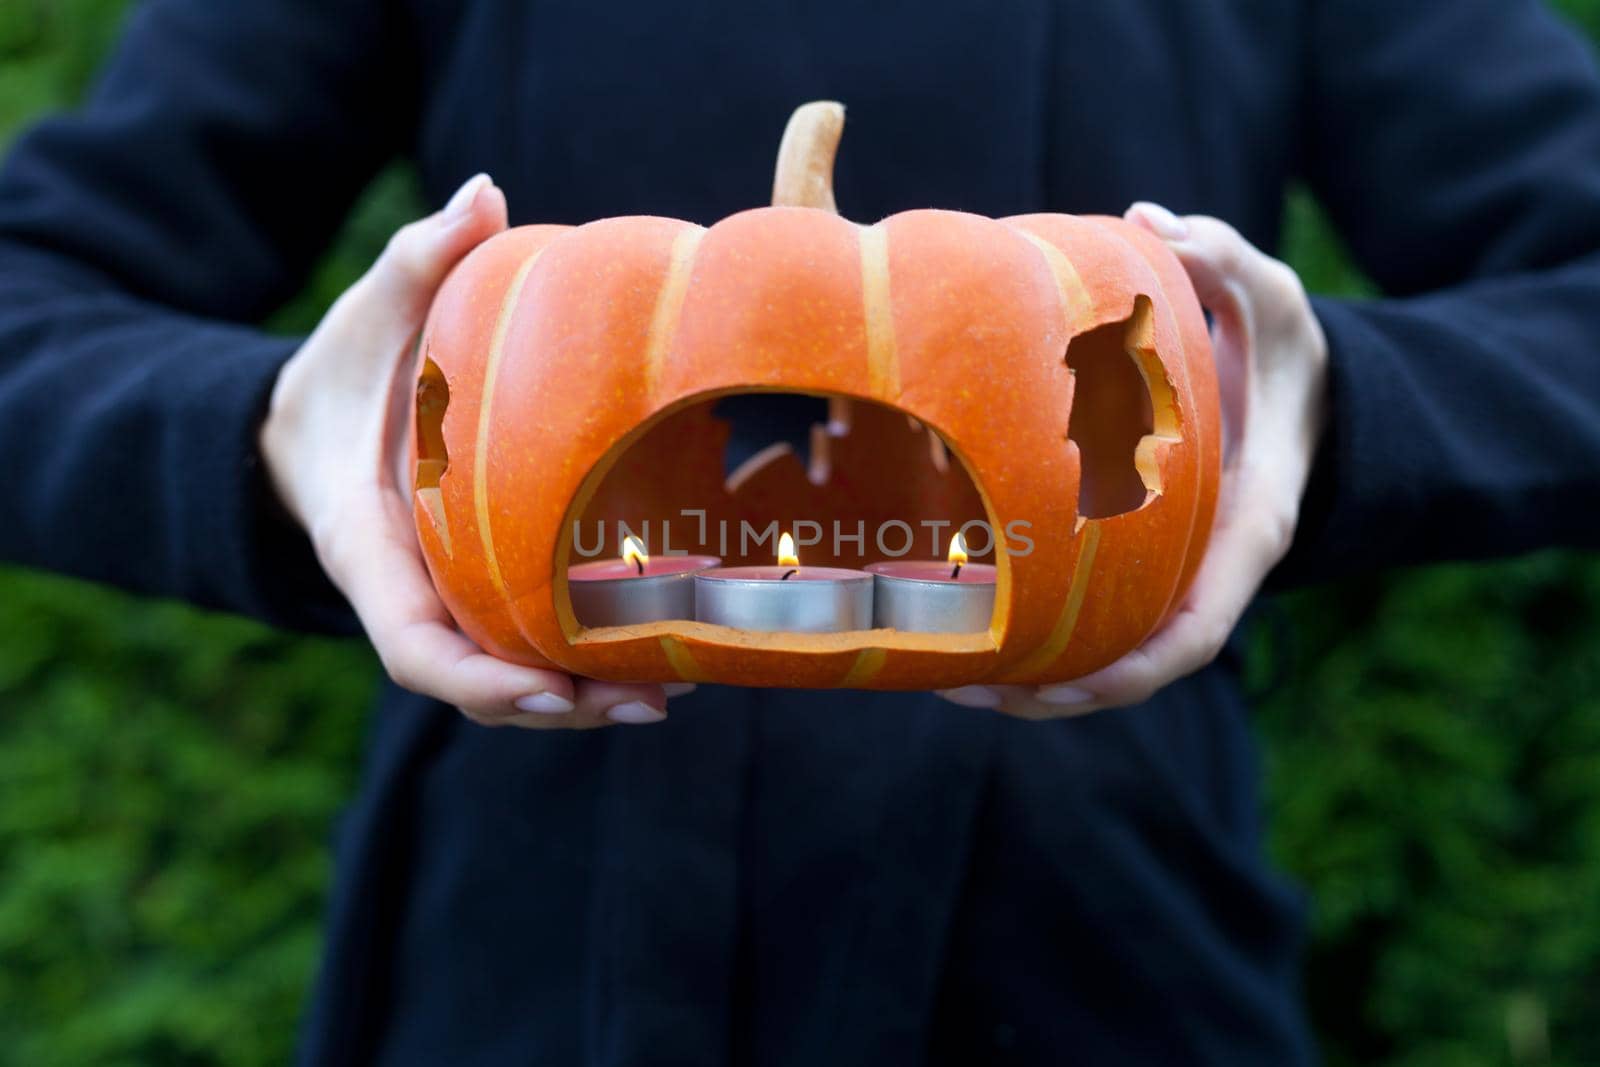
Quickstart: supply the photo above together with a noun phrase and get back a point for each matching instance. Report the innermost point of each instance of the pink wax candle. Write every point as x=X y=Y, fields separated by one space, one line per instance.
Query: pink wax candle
x=636 y=588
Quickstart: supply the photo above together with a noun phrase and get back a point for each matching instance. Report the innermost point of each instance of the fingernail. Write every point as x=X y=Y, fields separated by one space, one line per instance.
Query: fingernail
x=972 y=696
x=1064 y=694
x=677 y=689
x=461 y=203
x=1166 y=225
x=548 y=703
x=635 y=712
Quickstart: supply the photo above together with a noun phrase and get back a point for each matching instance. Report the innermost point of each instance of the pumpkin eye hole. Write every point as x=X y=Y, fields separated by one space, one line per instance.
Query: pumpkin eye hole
x=1121 y=405
x=433 y=397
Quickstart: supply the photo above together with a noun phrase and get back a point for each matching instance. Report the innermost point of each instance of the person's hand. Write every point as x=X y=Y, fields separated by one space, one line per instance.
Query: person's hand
x=334 y=442
x=1272 y=370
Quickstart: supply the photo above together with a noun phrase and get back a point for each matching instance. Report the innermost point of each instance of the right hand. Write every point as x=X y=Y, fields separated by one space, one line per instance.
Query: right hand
x=334 y=443
x=1272 y=370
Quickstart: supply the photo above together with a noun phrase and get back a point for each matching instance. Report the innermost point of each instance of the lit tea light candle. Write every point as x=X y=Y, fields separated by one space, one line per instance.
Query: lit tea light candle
x=926 y=596
x=634 y=588
x=787 y=597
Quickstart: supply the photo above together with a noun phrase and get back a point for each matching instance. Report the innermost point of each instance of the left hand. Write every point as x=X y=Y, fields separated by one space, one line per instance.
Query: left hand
x=1272 y=361
x=333 y=444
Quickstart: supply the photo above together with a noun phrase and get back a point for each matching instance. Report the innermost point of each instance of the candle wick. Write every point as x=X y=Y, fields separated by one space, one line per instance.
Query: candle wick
x=788 y=574
x=955 y=572
x=637 y=562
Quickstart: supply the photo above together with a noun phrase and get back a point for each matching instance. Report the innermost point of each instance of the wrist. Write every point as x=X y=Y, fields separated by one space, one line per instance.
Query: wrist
x=277 y=443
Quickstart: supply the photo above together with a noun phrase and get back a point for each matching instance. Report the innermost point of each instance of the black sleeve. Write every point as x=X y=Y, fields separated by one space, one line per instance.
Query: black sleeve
x=138 y=236
x=1456 y=145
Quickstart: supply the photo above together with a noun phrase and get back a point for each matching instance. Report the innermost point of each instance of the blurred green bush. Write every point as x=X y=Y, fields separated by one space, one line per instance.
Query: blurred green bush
x=168 y=779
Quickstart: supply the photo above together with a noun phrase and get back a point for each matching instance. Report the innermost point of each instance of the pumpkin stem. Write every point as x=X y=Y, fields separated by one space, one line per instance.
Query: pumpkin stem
x=804 y=175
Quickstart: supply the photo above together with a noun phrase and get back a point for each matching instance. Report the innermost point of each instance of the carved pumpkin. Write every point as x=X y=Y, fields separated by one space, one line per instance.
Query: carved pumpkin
x=566 y=374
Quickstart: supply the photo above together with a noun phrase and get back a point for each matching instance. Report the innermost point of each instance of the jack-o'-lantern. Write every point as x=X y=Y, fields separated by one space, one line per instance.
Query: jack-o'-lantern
x=1048 y=375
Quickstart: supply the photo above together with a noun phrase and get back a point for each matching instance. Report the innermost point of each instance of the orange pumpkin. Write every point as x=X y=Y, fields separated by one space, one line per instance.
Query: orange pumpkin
x=566 y=374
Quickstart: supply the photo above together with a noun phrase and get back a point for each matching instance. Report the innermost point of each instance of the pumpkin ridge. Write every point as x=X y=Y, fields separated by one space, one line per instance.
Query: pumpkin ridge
x=1076 y=303
x=669 y=306
x=681 y=660
x=883 y=367
x=480 y=451
x=868 y=662
x=1061 y=633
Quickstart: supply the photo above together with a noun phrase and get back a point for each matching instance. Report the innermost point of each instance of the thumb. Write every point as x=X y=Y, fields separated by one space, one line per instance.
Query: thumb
x=389 y=302
x=1217 y=258
x=1225 y=271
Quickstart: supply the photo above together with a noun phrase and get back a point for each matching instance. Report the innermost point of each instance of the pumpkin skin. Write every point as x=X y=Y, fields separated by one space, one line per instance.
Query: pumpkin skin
x=562 y=345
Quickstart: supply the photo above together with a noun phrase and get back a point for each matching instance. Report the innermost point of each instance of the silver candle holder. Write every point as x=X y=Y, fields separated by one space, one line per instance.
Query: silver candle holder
x=931 y=602
x=817 y=600
x=928 y=597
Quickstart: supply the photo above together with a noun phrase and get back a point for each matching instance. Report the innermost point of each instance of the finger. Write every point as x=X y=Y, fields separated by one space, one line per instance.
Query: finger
x=626 y=703
x=604 y=704
x=1225 y=268
x=1158 y=219
x=422 y=651
x=1215 y=254
x=386 y=305
x=609 y=704
x=1269 y=347
x=1019 y=701
x=1250 y=293
x=420 y=253
x=1260 y=300
x=1246 y=543
x=1210 y=255
x=377 y=568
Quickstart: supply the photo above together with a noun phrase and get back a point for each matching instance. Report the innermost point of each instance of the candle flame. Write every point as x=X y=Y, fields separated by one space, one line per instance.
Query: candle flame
x=958 y=549
x=958 y=555
x=633 y=552
x=786 y=554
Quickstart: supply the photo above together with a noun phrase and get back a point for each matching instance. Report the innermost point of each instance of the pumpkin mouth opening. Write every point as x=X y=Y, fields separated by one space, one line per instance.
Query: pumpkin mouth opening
x=727 y=473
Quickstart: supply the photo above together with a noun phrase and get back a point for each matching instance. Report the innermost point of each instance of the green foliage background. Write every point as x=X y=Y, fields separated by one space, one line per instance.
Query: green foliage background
x=168 y=779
